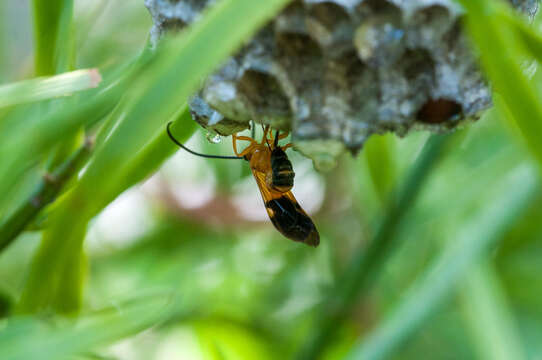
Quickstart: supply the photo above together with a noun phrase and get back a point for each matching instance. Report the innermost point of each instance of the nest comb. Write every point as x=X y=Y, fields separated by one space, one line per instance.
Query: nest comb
x=334 y=72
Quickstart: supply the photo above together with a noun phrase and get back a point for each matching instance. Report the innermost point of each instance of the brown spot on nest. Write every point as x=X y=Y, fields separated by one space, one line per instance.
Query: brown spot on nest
x=436 y=111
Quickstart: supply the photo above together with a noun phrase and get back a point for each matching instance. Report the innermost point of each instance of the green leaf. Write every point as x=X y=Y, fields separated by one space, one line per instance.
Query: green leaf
x=48 y=87
x=66 y=338
x=227 y=340
x=378 y=152
x=531 y=39
x=52 y=36
x=366 y=263
x=465 y=248
x=491 y=36
x=30 y=133
x=45 y=192
x=488 y=315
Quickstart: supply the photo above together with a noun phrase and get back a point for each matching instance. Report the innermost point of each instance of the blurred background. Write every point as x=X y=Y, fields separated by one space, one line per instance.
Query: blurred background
x=459 y=279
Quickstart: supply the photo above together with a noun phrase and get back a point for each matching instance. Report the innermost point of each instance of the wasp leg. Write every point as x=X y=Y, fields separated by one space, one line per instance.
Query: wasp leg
x=246 y=138
x=244 y=152
x=284 y=135
x=286 y=146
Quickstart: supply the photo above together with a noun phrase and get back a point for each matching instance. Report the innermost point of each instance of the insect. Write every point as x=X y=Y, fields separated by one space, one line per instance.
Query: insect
x=274 y=176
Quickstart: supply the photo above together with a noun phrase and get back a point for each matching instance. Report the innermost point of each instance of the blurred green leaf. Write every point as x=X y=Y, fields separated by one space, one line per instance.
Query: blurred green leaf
x=66 y=338
x=505 y=70
x=45 y=192
x=379 y=154
x=528 y=34
x=487 y=313
x=33 y=132
x=52 y=36
x=465 y=248
x=48 y=87
x=229 y=341
x=366 y=263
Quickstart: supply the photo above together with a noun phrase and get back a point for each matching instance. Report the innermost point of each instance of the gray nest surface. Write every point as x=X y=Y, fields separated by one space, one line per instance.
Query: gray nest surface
x=334 y=72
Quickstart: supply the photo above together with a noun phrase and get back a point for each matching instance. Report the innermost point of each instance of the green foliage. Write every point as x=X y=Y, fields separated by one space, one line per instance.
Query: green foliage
x=430 y=244
x=484 y=21
x=53 y=36
x=47 y=88
x=464 y=249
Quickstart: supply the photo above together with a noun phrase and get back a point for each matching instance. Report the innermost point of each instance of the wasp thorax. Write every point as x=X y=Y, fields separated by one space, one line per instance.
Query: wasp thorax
x=259 y=158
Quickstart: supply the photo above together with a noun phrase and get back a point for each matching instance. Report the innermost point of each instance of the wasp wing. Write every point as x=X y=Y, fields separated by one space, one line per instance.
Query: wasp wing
x=286 y=214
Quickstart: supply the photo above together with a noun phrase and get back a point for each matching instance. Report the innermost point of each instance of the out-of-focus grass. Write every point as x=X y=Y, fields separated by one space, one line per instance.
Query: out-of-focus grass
x=465 y=248
x=456 y=272
x=57 y=341
x=48 y=88
x=364 y=266
x=493 y=33
x=53 y=36
x=494 y=329
x=378 y=152
x=176 y=69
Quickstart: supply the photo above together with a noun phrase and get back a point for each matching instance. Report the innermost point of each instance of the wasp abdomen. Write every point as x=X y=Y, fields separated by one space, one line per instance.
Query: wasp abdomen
x=288 y=218
x=282 y=173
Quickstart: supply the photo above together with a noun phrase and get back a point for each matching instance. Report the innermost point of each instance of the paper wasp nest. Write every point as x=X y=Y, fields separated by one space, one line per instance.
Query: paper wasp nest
x=334 y=72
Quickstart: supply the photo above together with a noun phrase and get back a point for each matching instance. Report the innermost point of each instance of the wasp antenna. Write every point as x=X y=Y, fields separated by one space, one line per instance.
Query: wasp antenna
x=276 y=140
x=265 y=130
x=196 y=153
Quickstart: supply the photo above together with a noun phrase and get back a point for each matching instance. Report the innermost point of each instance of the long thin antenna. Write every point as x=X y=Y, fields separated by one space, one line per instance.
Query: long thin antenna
x=265 y=134
x=276 y=143
x=196 y=153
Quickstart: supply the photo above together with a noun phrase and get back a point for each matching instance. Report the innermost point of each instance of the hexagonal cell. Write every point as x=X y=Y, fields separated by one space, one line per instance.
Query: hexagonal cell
x=436 y=13
x=297 y=45
x=380 y=40
x=369 y=8
x=266 y=98
x=330 y=25
x=428 y=25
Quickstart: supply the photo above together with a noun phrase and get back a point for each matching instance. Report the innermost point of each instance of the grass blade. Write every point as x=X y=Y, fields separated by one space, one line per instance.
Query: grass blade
x=48 y=87
x=492 y=37
x=99 y=329
x=366 y=263
x=378 y=152
x=46 y=192
x=464 y=250
x=487 y=314
x=531 y=39
x=52 y=36
x=32 y=134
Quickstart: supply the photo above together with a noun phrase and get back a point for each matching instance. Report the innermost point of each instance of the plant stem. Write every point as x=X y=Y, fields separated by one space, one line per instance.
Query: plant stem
x=464 y=247
x=45 y=88
x=487 y=314
x=63 y=291
x=52 y=36
x=367 y=262
x=492 y=35
x=46 y=192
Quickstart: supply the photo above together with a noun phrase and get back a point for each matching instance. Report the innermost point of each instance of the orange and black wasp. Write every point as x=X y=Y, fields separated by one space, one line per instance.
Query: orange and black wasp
x=275 y=178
